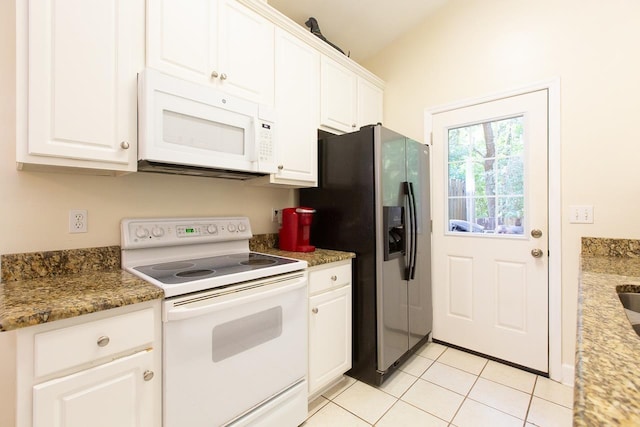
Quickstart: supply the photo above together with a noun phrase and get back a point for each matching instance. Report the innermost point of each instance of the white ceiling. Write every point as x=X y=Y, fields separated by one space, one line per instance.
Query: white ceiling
x=361 y=27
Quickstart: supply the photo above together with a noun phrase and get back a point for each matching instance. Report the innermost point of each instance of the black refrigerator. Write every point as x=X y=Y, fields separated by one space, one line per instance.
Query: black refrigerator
x=373 y=199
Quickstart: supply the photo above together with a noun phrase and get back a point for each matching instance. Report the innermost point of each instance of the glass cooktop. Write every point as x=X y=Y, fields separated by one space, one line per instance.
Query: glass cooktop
x=203 y=268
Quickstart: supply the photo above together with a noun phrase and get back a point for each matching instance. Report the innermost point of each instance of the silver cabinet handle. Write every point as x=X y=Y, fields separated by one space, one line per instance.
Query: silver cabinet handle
x=334 y=278
x=314 y=310
x=124 y=145
x=103 y=341
x=147 y=375
x=536 y=253
x=223 y=76
x=214 y=74
x=535 y=233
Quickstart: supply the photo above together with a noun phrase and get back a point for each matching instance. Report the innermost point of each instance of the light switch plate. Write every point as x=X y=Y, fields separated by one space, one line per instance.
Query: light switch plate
x=582 y=214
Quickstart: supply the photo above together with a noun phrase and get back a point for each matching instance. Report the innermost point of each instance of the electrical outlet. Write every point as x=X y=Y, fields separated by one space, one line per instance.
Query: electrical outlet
x=78 y=221
x=275 y=215
x=581 y=214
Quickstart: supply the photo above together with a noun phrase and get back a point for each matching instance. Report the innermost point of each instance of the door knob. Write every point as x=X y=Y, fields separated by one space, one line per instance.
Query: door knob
x=147 y=375
x=124 y=145
x=536 y=253
x=536 y=233
x=214 y=74
x=314 y=310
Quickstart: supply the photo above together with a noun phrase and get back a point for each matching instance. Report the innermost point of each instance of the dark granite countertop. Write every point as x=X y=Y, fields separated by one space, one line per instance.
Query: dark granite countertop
x=35 y=301
x=42 y=287
x=317 y=257
x=607 y=383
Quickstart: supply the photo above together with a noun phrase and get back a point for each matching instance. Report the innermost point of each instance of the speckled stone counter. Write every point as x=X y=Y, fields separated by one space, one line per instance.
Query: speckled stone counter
x=267 y=243
x=46 y=286
x=607 y=375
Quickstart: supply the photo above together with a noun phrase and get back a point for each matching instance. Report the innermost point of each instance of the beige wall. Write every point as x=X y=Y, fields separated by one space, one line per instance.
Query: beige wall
x=476 y=48
x=34 y=206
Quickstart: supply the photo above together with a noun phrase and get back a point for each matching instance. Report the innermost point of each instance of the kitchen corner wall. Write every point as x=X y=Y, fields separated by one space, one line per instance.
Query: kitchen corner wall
x=34 y=206
x=472 y=49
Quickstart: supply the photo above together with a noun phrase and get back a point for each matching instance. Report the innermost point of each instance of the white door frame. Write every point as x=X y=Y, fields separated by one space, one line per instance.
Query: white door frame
x=554 y=214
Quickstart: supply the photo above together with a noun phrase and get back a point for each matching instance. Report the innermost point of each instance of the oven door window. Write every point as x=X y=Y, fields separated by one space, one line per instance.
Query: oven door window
x=245 y=333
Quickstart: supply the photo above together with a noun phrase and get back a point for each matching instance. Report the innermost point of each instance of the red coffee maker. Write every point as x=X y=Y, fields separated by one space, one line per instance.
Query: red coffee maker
x=296 y=229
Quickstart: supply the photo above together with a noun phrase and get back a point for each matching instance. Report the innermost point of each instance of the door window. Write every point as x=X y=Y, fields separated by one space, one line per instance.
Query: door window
x=486 y=177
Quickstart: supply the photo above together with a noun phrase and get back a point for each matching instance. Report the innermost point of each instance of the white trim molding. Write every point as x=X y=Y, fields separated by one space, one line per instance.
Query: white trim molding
x=557 y=371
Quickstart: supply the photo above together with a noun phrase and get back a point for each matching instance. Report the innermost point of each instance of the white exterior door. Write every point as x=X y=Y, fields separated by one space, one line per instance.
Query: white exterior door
x=490 y=234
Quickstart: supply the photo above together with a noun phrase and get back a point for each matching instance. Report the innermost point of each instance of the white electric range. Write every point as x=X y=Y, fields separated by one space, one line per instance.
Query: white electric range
x=234 y=321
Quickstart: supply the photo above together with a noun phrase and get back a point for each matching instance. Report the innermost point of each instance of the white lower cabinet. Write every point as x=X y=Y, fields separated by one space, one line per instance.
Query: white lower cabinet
x=329 y=324
x=113 y=394
x=101 y=370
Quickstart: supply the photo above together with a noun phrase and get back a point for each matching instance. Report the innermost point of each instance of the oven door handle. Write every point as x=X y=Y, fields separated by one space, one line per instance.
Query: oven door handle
x=199 y=305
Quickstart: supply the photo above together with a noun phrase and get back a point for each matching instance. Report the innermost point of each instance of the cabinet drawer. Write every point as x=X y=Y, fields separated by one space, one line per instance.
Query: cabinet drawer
x=73 y=346
x=327 y=278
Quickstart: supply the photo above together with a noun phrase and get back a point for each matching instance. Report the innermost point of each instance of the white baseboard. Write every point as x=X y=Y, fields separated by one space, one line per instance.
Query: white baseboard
x=568 y=372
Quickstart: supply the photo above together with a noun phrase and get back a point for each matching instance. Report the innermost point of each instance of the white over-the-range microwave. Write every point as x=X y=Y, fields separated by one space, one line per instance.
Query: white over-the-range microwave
x=190 y=129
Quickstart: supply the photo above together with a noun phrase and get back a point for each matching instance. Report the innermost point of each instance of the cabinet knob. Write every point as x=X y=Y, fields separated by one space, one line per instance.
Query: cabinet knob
x=147 y=375
x=223 y=76
x=314 y=310
x=124 y=145
x=103 y=341
x=353 y=125
x=280 y=167
x=536 y=253
x=214 y=74
x=334 y=278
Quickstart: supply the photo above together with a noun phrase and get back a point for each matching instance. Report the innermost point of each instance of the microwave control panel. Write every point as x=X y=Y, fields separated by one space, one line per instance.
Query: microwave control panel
x=266 y=149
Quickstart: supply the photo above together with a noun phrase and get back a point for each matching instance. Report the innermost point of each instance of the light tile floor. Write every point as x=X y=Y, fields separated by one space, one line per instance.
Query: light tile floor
x=442 y=386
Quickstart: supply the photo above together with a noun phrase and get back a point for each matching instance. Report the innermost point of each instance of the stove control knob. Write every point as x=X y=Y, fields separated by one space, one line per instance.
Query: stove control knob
x=157 y=232
x=212 y=229
x=231 y=227
x=242 y=228
x=142 y=232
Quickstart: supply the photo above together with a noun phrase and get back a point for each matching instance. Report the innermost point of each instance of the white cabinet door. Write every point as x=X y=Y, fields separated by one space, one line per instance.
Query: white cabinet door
x=114 y=394
x=297 y=96
x=80 y=82
x=245 y=53
x=329 y=337
x=369 y=103
x=338 y=96
x=182 y=38
x=215 y=42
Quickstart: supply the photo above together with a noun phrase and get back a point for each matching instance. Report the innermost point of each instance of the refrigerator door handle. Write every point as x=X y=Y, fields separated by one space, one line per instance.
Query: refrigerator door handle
x=408 y=190
x=414 y=231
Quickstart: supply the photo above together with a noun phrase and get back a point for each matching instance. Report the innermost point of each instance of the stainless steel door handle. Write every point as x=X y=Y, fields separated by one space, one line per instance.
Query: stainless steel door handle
x=536 y=253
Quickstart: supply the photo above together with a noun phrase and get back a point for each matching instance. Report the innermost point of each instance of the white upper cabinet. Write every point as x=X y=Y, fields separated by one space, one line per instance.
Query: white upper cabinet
x=338 y=99
x=76 y=82
x=369 y=103
x=214 y=42
x=297 y=103
x=348 y=100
